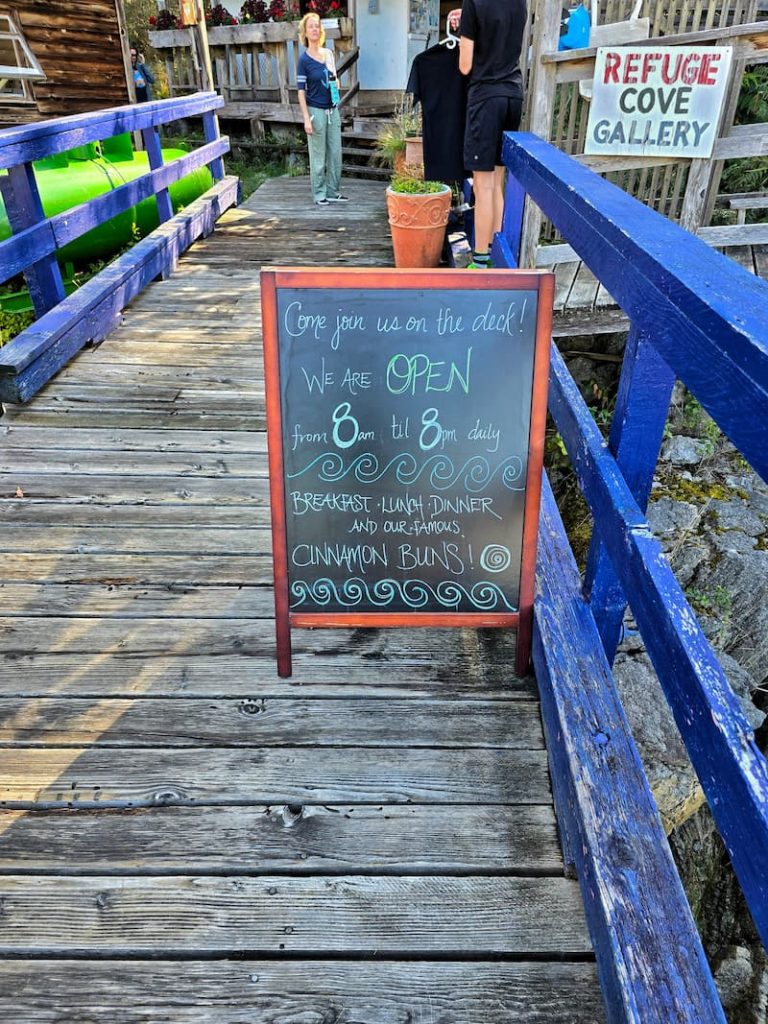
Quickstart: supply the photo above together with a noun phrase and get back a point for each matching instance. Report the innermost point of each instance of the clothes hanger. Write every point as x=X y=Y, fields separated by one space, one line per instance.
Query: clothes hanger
x=451 y=41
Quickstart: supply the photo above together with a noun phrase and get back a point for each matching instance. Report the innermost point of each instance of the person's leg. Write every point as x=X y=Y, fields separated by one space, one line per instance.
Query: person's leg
x=511 y=123
x=333 y=154
x=499 y=181
x=481 y=141
x=316 y=143
x=485 y=211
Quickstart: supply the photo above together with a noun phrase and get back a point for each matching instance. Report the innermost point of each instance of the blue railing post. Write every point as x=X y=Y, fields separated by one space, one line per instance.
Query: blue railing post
x=24 y=209
x=505 y=248
x=211 y=134
x=151 y=138
x=512 y=221
x=637 y=428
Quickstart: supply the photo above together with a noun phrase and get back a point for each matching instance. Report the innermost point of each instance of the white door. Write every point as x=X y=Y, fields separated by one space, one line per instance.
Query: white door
x=382 y=35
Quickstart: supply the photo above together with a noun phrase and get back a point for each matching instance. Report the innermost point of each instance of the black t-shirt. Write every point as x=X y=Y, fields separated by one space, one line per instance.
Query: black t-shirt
x=437 y=83
x=496 y=27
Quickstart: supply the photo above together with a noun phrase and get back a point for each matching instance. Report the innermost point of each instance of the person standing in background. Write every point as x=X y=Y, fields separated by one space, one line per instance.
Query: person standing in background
x=319 y=101
x=490 y=42
x=143 y=79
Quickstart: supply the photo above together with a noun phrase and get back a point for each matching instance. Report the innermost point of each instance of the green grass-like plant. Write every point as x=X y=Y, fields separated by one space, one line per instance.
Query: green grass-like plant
x=415 y=186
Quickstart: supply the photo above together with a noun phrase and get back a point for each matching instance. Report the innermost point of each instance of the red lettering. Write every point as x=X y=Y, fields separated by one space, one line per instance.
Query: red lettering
x=690 y=69
x=708 y=75
x=630 y=68
x=612 y=65
x=649 y=63
x=667 y=76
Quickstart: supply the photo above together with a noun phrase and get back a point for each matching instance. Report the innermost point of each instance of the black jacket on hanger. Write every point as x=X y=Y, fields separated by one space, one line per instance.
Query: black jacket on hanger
x=437 y=83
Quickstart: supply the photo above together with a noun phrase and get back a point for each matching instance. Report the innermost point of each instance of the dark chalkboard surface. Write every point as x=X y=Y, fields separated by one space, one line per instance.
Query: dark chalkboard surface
x=399 y=417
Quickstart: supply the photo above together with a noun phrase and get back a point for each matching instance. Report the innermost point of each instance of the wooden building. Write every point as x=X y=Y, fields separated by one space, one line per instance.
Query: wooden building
x=69 y=56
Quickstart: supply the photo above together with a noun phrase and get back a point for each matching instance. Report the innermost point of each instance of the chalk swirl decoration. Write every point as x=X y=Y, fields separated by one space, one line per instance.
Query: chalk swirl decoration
x=495 y=558
x=475 y=475
x=483 y=596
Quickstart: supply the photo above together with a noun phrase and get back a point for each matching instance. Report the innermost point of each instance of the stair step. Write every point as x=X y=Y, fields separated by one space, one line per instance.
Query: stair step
x=356 y=151
x=363 y=171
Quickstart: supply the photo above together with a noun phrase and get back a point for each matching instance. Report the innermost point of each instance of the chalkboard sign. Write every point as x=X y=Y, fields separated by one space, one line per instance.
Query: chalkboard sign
x=405 y=418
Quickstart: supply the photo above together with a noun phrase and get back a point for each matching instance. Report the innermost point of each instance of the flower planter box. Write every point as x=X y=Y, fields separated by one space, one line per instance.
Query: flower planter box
x=171 y=38
x=240 y=35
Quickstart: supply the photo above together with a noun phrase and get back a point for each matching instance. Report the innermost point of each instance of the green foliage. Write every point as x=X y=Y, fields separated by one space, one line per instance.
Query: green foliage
x=696 y=421
x=390 y=143
x=415 y=186
x=749 y=174
x=753 y=98
x=12 y=324
x=253 y=170
x=746 y=175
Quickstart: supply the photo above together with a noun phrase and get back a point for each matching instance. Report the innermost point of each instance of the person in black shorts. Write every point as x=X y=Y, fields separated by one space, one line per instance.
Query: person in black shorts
x=490 y=41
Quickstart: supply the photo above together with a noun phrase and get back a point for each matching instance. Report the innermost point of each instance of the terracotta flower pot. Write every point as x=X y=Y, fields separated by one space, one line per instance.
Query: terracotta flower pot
x=418 y=226
x=414 y=153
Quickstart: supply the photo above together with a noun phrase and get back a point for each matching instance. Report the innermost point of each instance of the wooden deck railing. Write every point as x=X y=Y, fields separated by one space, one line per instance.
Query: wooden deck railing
x=254 y=66
x=65 y=324
x=700 y=317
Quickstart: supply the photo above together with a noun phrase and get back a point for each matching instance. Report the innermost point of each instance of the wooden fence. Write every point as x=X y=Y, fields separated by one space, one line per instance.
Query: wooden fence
x=254 y=66
x=698 y=316
x=64 y=323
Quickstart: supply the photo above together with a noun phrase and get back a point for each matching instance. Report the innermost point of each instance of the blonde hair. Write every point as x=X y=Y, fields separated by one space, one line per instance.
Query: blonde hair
x=303 y=29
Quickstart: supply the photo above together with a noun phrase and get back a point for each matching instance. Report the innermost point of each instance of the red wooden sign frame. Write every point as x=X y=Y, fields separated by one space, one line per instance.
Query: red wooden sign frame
x=541 y=282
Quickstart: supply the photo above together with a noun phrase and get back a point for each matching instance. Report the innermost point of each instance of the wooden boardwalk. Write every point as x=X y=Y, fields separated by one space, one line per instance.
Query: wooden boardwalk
x=184 y=837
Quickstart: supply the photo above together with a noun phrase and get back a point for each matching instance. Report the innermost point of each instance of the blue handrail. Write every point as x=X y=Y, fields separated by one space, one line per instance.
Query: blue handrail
x=64 y=323
x=698 y=316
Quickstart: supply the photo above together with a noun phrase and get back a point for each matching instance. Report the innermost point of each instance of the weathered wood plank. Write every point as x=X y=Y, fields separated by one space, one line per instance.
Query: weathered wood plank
x=584 y=289
x=477 y=669
x=18 y=436
x=68 y=777
x=181 y=541
x=51 y=461
x=379 y=915
x=288 y=838
x=270 y=722
x=116 y=488
x=116 y=408
x=173 y=570
x=276 y=992
x=77 y=601
x=40 y=513
x=169 y=636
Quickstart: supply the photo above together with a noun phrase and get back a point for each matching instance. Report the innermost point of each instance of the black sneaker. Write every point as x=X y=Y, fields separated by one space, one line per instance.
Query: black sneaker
x=321 y=202
x=338 y=199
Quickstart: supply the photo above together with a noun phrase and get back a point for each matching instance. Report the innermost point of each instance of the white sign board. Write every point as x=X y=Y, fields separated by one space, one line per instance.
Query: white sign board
x=657 y=100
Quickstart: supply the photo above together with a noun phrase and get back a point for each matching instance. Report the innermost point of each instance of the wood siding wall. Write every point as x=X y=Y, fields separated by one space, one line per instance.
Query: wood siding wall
x=78 y=45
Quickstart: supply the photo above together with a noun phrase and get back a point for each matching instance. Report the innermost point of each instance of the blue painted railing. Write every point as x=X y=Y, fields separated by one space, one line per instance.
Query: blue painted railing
x=698 y=316
x=65 y=324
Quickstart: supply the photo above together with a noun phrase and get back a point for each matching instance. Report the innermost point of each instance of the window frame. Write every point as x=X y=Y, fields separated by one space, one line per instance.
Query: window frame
x=23 y=74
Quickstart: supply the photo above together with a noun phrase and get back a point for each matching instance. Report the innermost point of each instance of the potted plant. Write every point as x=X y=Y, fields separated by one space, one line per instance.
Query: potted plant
x=395 y=142
x=418 y=215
